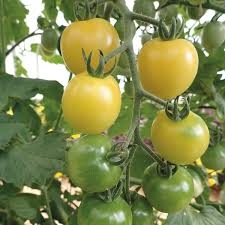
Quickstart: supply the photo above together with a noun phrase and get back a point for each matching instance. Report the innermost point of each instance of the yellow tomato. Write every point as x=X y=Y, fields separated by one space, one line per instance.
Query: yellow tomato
x=91 y=35
x=167 y=68
x=91 y=104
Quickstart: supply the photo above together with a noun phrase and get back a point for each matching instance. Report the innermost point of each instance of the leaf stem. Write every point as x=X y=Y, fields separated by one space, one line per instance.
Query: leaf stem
x=45 y=191
x=2 y=37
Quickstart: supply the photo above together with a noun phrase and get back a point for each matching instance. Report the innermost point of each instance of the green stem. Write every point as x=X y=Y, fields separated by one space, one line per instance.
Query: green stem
x=135 y=180
x=143 y=18
x=22 y=40
x=2 y=37
x=45 y=191
x=60 y=112
x=108 y=10
x=197 y=206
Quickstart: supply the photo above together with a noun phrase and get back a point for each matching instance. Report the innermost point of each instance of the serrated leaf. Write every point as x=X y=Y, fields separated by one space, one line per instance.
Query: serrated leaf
x=67 y=7
x=207 y=216
x=33 y=162
x=9 y=131
x=50 y=9
x=25 y=88
x=25 y=205
x=56 y=59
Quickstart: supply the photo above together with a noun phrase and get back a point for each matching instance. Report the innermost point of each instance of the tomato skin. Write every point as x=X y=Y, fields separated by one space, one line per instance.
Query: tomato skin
x=91 y=35
x=214 y=157
x=168 y=12
x=91 y=105
x=167 y=68
x=94 y=211
x=195 y=13
x=142 y=212
x=87 y=165
x=211 y=41
x=49 y=39
x=168 y=195
x=180 y=142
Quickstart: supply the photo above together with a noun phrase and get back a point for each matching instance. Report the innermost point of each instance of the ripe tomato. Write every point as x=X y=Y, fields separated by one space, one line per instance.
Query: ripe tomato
x=213 y=35
x=90 y=104
x=94 y=211
x=214 y=157
x=142 y=212
x=167 y=68
x=168 y=195
x=87 y=165
x=91 y=35
x=180 y=142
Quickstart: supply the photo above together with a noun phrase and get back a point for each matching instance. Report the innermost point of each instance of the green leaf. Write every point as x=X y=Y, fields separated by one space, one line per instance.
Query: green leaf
x=25 y=88
x=8 y=132
x=208 y=215
x=50 y=9
x=19 y=69
x=56 y=59
x=25 y=205
x=123 y=121
x=33 y=162
x=67 y=7
x=15 y=25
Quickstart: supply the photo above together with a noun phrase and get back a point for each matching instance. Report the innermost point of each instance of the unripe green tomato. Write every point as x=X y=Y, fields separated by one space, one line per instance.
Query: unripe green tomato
x=123 y=61
x=129 y=89
x=144 y=7
x=196 y=2
x=195 y=13
x=49 y=39
x=168 y=12
x=46 y=52
x=119 y=25
x=213 y=35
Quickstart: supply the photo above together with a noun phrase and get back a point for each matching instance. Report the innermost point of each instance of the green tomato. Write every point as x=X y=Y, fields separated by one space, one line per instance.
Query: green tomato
x=119 y=25
x=195 y=13
x=214 y=157
x=168 y=12
x=198 y=182
x=196 y=2
x=213 y=35
x=94 y=211
x=87 y=165
x=144 y=7
x=168 y=195
x=139 y=163
x=123 y=61
x=142 y=212
x=129 y=89
x=49 y=39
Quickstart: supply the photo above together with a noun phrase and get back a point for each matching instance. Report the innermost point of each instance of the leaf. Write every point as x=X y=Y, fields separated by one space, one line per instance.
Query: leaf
x=67 y=7
x=50 y=9
x=19 y=69
x=25 y=88
x=207 y=216
x=25 y=205
x=123 y=121
x=56 y=59
x=33 y=162
x=9 y=131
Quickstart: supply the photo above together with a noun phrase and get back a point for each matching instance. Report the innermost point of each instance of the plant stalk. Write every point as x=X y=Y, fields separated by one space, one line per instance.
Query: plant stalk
x=2 y=38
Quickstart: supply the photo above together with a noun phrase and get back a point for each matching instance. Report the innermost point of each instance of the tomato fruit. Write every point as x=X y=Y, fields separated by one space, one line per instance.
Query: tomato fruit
x=195 y=13
x=129 y=88
x=91 y=104
x=49 y=39
x=213 y=35
x=196 y=2
x=94 y=211
x=182 y=141
x=144 y=7
x=91 y=35
x=142 y=212
x=168 y=195
x=139 y=163
x=168 y=12
x=214 y=157
x=198 y=182
x=87 y=165
x=167 y=68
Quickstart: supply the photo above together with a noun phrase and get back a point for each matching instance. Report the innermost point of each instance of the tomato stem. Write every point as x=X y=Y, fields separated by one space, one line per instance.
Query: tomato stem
x=108 y=10
x=2 y=37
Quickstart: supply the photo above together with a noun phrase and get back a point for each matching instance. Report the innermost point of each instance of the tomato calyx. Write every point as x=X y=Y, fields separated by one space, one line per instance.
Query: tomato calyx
x=168 y=170
x=175 y=113
x=173 y=32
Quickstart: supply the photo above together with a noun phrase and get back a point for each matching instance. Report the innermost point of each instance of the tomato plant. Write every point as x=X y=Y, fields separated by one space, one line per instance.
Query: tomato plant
x=214 y=157
x=91 y=35
x=195 y=13
x=168 y=12
x=168 y=194
x=96 y=211
x=83 y=94
x=186 y=140
x=167 y=68
x=142 y=212
x=211 y=41
x=87 y=165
